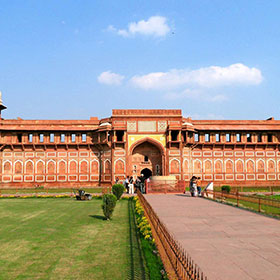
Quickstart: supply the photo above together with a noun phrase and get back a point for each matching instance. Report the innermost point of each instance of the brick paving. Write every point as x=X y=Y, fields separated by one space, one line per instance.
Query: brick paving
x=226 y=242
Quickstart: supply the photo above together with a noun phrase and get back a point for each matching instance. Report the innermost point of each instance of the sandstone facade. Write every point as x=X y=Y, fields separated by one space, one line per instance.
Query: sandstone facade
x=58 y=153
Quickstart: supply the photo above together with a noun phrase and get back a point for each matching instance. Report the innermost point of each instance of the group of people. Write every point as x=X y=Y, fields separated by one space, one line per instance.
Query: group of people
x=195 y=186
x=132 y=185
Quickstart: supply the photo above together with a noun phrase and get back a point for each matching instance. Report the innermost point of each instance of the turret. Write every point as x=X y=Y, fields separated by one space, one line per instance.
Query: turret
x=2 y=107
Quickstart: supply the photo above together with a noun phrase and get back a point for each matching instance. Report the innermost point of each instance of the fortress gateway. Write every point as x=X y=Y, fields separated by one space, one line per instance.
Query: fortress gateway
x=158 y=142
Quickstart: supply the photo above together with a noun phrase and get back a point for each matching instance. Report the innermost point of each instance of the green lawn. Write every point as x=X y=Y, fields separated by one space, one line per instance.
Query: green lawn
x=45 y=190
x=67 y=239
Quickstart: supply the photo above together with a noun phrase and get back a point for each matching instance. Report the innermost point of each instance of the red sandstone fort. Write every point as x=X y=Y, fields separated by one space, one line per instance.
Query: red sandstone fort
x=155 y=142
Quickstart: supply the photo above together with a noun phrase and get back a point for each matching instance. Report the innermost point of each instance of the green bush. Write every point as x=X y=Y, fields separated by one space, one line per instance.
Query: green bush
x=118 y=190
x=108 y=206
x=226 y=188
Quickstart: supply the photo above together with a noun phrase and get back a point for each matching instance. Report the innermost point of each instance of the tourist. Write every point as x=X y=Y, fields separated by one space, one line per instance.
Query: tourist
x=198 y=182
x=193 y=189
x=130 y=185
x=137 y=184
x=142 y=183
x=126 y=183
x=117 y=180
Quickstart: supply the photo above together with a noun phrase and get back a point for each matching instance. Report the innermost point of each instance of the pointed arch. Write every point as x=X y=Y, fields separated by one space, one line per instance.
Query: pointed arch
x=18 y=167
x=83 y=166
x=239 y=166
x=250 y=166
x=271 y=166
x=186 y=165
x=7 y=167
x=218 y=166
x=40 y=167
x=62 y=167
x=260 y=166
x=197 y=166
x=29 y=167
x=174 y=166
x=51 y=167
x=229 y=166
x=107 y=166
x=73 y=167
x=208 y=166
x=119 y=166
x=94 y=166
x=150 y=140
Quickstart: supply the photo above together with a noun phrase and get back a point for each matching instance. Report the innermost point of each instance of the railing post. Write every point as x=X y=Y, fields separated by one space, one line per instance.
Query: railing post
x=237 y=198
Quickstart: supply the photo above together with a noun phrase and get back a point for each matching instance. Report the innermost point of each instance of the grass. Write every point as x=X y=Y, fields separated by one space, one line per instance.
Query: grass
x=269 y=210
x=67 y=239
x=47 y=190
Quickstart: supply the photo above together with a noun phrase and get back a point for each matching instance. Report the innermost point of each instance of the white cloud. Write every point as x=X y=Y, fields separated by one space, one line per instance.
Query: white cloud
x=155 y=26
x=196 y=94
x=209 y=77
x=110 y=78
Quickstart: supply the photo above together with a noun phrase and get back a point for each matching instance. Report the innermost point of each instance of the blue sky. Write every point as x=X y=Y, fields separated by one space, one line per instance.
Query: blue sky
x=75 y=59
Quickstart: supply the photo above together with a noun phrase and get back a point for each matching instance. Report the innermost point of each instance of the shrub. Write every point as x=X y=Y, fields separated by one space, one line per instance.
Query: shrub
x=118 y=190
x=226 y=188
x=108 y=206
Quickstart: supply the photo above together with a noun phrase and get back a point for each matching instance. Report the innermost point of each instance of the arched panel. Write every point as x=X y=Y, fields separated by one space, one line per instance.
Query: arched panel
x=250 y=166
x=174 y=166
x=119 y=167
x=40 y=167
x=73 y=167
x=51 y=167
x=7 y=169
x=239 y=166
x=94 y=167
x=197 y=167
x=18 y=167
x=186 y=166
x=107 y=169
x=62 y=168
x=84 y=167
x=208 y=167
x=229 y=166
x=260 y=166
x=270 y=166
x=29 y=167
x=218 y=166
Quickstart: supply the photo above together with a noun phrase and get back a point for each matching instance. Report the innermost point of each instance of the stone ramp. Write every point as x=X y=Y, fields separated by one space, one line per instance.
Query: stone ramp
x=226 y=242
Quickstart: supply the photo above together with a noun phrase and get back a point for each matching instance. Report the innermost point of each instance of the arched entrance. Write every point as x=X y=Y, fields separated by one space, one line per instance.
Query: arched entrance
x=146 y=157
x=146 y=172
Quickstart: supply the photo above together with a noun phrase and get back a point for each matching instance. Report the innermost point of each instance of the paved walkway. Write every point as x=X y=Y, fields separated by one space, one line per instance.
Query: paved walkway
x=226 y=242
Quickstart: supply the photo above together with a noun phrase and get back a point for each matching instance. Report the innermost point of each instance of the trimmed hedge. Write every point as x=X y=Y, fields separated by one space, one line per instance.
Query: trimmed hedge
x=108 y=206
x=226 y=188
x=118 y=190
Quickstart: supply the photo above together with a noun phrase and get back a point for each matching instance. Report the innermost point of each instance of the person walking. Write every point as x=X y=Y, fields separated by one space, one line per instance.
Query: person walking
x=198 y=186
x=126 y=183
x=131 y=186
x=193 y=189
